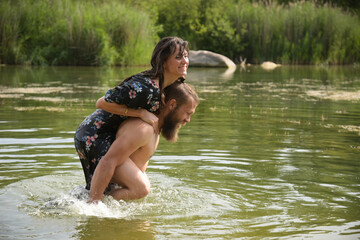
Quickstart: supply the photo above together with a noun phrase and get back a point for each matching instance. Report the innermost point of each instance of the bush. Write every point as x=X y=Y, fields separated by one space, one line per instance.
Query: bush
x=297 y=33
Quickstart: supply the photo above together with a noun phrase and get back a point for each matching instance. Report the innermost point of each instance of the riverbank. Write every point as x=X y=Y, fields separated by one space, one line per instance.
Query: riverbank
x=109 y=32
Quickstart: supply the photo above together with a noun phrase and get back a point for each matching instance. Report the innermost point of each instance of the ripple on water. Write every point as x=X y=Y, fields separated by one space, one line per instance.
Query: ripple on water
x=20 y=141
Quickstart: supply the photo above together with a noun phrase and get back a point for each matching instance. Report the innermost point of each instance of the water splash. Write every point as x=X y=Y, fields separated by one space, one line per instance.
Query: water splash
x=55 y=195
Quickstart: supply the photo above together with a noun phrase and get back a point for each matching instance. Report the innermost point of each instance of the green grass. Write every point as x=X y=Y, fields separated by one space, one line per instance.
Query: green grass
x=124 y=32
x=45 y=32
x=300 y=33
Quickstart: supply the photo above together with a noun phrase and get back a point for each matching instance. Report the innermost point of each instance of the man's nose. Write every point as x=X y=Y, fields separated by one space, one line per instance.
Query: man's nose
x=187 y=119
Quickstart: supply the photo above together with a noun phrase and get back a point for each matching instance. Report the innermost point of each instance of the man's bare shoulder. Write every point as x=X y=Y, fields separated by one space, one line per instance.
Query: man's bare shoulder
x=136 y=126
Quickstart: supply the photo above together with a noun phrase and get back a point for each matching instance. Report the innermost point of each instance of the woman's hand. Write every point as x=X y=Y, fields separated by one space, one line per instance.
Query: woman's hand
x=150 y=118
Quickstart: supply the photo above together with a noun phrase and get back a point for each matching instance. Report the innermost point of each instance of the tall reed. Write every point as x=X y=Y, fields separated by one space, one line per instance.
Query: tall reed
x=303 y=32
x=72 y=32
x=300 y=33
x=123 y=32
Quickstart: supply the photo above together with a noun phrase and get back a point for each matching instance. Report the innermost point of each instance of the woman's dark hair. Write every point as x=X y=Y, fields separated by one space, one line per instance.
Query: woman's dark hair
x=162 y=51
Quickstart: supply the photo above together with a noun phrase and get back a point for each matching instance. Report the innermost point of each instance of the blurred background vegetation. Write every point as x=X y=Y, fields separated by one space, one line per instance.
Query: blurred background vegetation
x=124 y=32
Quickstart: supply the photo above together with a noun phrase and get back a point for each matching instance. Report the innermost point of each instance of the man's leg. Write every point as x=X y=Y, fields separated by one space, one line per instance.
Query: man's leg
x=135 y=183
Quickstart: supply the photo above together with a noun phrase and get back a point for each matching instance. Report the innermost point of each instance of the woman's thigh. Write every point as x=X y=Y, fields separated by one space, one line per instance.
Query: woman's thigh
x=130 y=176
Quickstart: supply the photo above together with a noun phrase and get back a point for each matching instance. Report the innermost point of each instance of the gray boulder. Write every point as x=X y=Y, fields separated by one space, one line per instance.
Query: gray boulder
x=203 y=58
x=269 y=65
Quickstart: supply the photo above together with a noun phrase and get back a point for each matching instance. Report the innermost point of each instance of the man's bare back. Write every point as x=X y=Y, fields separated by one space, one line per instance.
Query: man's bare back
x=138 y=127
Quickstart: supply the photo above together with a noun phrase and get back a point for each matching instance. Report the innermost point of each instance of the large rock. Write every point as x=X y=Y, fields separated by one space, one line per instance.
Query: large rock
x=269 y=65
x=203 y=58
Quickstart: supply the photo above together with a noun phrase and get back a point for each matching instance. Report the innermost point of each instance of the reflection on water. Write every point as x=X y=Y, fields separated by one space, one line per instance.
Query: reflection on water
x=267 y=155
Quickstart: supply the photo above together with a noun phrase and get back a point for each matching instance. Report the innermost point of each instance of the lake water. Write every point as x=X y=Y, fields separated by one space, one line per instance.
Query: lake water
x=267 y=155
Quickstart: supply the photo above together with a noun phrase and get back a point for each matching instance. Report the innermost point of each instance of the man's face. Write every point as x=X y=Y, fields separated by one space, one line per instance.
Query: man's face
x=177 y=118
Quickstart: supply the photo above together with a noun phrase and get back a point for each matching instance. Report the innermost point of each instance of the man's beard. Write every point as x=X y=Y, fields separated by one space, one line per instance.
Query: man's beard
x=171 y=127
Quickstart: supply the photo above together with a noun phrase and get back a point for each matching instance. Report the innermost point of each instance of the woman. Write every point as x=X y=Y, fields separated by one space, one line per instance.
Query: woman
x=137 y=96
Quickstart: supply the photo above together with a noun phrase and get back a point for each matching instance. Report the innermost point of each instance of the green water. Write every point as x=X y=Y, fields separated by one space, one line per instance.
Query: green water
x=267 y=155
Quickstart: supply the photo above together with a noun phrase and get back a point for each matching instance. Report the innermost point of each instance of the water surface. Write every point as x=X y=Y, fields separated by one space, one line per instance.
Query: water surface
x=268 y=155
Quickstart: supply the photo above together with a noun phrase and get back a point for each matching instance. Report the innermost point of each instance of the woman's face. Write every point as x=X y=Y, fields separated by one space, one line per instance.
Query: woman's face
x=177 y=64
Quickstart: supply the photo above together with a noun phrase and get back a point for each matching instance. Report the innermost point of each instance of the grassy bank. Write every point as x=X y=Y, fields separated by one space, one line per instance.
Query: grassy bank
x=298 y=33
x=124 y=32
x=44 y=32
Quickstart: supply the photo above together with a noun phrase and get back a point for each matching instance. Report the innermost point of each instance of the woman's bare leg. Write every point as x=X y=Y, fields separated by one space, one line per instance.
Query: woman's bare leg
x=135 y=183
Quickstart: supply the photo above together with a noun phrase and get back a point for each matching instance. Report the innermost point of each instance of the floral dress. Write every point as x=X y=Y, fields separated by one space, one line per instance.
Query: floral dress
x=97 y=132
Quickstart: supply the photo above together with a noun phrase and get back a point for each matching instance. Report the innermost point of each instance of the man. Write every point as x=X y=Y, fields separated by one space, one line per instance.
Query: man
x=126 y=161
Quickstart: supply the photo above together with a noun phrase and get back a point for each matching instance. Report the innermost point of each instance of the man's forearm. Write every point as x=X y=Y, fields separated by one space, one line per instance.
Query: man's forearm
x=100 y=180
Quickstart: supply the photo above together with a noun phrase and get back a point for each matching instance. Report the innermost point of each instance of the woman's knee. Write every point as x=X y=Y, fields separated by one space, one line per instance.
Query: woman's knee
x=142 y=190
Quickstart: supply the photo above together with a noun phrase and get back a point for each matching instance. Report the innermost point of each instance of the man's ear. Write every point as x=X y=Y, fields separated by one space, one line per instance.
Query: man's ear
x=172 y=104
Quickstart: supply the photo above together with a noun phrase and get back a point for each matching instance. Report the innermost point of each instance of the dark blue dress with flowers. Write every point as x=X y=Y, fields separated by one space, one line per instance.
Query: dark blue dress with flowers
x=97 y=132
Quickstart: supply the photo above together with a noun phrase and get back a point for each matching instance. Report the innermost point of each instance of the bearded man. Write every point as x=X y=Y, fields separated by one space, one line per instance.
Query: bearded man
x=127 y=159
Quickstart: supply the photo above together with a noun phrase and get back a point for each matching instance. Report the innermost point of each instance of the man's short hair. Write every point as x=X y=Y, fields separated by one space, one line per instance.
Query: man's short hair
x=181 y=92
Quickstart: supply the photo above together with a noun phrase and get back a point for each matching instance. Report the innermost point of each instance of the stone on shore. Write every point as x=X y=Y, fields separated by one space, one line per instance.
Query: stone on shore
x=269 y=65
x=203 y=58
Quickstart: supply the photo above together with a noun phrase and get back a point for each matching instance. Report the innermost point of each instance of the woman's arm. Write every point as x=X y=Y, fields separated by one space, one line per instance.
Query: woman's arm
x=119 y=109
x=122 y=109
